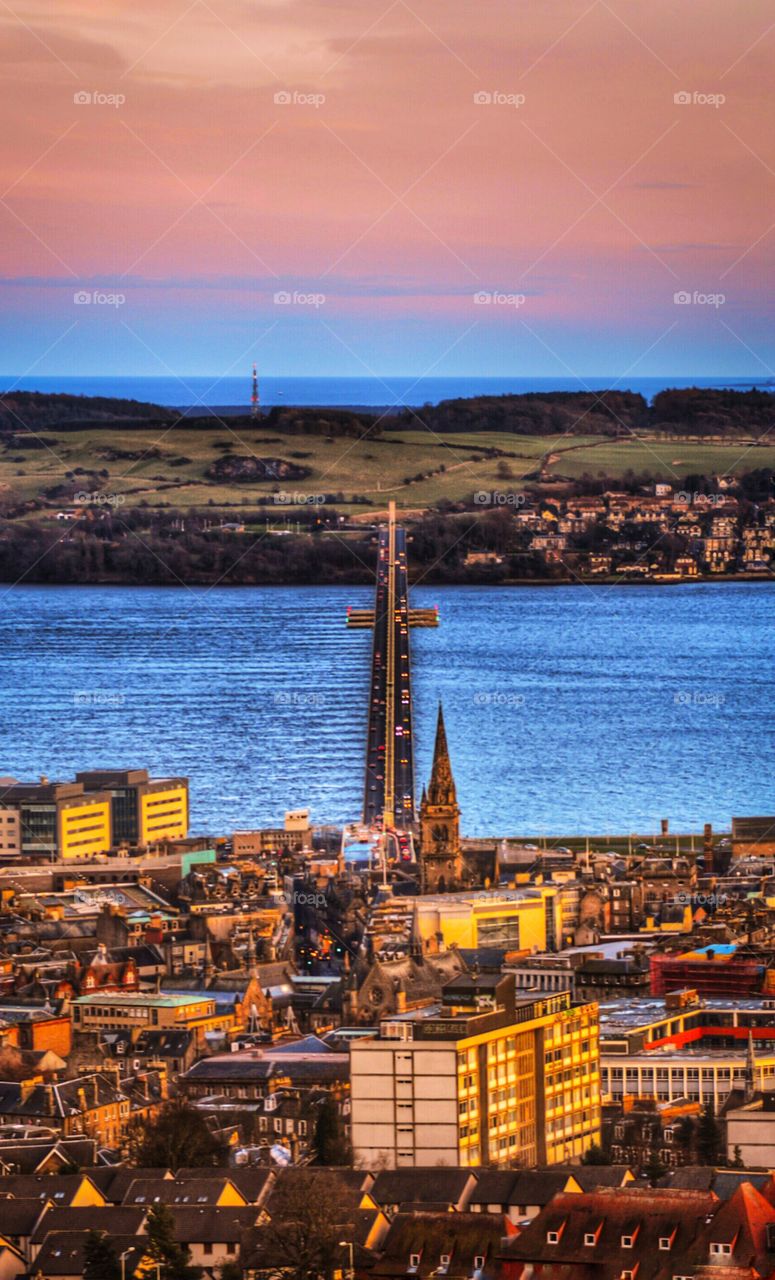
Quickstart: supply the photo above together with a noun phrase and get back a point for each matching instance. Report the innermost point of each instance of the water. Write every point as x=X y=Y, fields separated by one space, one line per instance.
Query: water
x=568 y=709
x=185 y=392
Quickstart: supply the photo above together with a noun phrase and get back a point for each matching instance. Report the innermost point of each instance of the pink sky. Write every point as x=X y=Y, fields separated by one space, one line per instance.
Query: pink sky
x=394 y=194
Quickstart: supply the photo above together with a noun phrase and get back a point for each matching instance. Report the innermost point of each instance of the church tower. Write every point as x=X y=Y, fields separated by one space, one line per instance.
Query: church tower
x=441 y=862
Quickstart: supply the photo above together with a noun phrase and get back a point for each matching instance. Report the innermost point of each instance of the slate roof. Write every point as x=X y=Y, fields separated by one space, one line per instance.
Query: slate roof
x=116 y=1220
x=159 y=1190
x=252 y=1182
x=212 y=1224
x=62 y=1253
x=41 y=1186
x=432 y=1184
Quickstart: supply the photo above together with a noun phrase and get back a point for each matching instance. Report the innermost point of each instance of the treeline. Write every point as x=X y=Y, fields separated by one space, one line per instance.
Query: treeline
x=694 y=411
x=548 y=413
x=40 y=409
x=137 y=548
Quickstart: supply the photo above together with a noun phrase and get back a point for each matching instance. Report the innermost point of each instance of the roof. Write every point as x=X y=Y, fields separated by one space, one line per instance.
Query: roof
x=214 y=1224
x=252 y=1182
x=116 y=1220
x=560 y=1233
x=62 y=1253
x=171 y=1191
x=40 y=1186
x=463 y=1237
x=432 y=1184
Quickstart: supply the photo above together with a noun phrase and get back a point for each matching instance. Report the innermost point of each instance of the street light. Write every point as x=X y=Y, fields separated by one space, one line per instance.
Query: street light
x=122 y=1257
x=348 y=1244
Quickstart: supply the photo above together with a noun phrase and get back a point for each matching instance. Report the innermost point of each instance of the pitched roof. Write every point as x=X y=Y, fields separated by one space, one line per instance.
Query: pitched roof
x=432 y=1184
x=62 y=1253
x=561 y=1234
x=742 y=1223
x=116 y=1220
x=222 y=1224
x=159 y=1190
x=462 y=1237
x=253 y=1182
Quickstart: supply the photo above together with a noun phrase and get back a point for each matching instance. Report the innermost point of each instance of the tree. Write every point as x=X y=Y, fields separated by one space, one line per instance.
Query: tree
x=303 y=1235
x=100 y=1260
x=708 y=1138
x=173 y=1259
x=330 y=1141
x=654 y=1168
x=178 y=1137
x=737 y=1159
x=594 y=1155
x=230 y=1271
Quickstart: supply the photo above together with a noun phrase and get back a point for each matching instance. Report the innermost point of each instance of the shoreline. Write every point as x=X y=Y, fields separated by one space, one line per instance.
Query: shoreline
x=505 y=584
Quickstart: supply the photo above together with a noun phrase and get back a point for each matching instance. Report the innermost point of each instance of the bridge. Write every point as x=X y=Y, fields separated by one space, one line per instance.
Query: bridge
x=388 y=798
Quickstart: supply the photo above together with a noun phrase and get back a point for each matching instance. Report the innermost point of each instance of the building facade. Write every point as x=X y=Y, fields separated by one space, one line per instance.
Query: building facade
x=484 y=1078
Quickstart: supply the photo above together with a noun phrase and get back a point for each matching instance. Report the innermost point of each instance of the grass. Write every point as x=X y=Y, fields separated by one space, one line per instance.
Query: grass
x=376 y=468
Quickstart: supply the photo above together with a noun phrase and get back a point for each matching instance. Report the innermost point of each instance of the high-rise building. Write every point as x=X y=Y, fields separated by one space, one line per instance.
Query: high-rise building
x=441 y=860
x=485 y=1078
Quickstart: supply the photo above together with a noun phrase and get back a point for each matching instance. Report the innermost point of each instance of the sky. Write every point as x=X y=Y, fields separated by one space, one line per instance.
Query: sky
x=380 y=187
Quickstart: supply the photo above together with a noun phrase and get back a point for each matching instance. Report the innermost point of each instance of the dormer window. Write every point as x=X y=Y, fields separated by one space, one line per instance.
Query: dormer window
x=552 y=1237
x=721 y=1250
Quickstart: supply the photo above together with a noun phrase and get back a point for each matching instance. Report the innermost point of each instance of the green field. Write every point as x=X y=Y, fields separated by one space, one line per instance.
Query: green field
x=170 y=468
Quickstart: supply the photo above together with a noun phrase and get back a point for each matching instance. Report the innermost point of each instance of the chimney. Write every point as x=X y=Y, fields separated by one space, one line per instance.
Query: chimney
x=665 y=826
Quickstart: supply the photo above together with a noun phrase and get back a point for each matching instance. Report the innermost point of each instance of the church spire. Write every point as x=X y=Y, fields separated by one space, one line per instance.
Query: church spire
x=441 y=789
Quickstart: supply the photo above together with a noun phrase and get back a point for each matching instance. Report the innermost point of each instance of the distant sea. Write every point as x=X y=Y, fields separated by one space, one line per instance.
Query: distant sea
x=211 y=392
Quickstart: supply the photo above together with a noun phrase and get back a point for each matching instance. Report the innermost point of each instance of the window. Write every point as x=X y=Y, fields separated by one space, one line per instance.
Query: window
x=414 y=1259
x=664 y=1242
x=721 y=1250
x=552 y=1237
x=627 y=1242
x=478 y=1262
x=207 y=1248
x=590 y=1238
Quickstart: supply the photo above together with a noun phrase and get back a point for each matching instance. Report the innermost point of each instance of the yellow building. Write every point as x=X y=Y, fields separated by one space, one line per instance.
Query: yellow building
x=84 y=827
x=143 y=809
x=526 y=919
x=485 y=1079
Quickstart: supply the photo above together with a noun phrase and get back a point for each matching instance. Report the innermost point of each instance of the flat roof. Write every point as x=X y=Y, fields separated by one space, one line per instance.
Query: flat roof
x=153 y=1001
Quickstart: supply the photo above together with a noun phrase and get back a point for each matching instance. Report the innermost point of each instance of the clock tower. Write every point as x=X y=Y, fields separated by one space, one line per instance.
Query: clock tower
x=441 y=862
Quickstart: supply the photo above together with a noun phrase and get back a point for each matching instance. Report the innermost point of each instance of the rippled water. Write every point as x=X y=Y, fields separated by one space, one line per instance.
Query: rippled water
x=568 y=708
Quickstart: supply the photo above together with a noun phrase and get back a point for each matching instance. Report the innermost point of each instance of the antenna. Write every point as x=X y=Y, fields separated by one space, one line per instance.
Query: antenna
x=255 y=405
